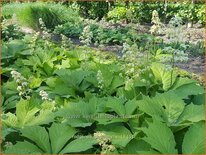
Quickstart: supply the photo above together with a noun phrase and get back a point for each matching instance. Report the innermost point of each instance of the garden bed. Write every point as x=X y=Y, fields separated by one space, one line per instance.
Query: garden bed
x=72 y=85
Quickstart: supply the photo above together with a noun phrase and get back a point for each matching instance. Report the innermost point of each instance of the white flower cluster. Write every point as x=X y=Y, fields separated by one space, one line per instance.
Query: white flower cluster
x=33 y=41
x=66 y=42
x=44 y=95
x=130 y=55
x=42 y=24
x=104 y=141
x=45 y=31
x=175 y=29
x=23 y=86
x=156 y=27
x=100 y=79
x=86 y=36
x=176 y=54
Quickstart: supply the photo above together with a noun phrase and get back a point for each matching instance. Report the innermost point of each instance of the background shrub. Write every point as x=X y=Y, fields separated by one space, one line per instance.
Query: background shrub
x=28 y=14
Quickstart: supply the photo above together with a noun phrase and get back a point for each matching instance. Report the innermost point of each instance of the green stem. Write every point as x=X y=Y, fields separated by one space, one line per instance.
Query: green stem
x=173 y=64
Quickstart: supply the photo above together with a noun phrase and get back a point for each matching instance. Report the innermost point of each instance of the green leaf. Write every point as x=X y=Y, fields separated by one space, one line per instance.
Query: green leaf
x=189 y=89
x=184 y=87
x=23 y=148
x=192 y=113
x=103 y=118
x=181 y=82
x=38 y=135
x=10 y=120
x=12 y=48
x=107 y=74
x=78 y=114
x=194 y=140
x=153 y=109
x=48 y=68
x=65 y=64
x=62 y=89
x=199 y=99
x=164 y=107
x=117 y=105
x=130 y=107
x=59 y=134
x=79 y=145
x=26 y=114
x=172 y=104
x=35 y=82
x=117 y=82
x=167 y=78
x=160 y=137
x=120 y=135
x=135 y=146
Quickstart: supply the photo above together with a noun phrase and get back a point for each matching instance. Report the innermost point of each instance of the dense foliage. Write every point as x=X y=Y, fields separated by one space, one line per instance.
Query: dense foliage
x=60 y=98
x=142 y=11
x=91 y=94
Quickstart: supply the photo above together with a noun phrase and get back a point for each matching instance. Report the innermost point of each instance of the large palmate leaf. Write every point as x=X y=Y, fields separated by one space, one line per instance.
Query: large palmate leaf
x=79 y=114
x=199 y=99
x=112 y=109
x=194 y=140
x=51 y=141
x=164 y=107
x=111 y=80
x=160 y=137
x=79 y=145
x=23 y=148
x=135 y=146
x=117 y=105
x=167 y=78
x=120 y=135
x=184 y=87
x=13 y=48
x=153 y=109
x=130 y=107
x=192 y=113
x=59 y=135
x=26 y=114
x=39 y=135
x=172 y=104
x=74 y=78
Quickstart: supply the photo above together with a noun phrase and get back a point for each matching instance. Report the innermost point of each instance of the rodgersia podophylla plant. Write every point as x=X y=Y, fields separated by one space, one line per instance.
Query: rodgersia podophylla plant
x=105 y=142
x=23 y=85
x=86 y=36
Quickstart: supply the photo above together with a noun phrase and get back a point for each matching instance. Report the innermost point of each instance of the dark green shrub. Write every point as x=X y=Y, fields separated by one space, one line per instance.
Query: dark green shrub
x=93 y=10
x=28 y=14
x=70 y=29
x=142 y=11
